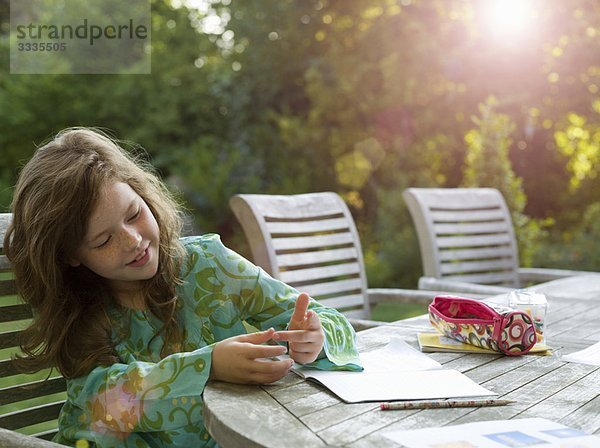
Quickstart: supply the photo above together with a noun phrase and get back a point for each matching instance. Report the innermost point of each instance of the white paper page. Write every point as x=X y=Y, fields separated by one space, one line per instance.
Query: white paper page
x=497 y=434
x=590 y=355
x=396 y=372
x=397 y=356
x=354 y=387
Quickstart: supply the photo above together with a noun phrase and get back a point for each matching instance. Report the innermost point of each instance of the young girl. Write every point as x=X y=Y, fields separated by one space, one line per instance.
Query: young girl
x=137 y=319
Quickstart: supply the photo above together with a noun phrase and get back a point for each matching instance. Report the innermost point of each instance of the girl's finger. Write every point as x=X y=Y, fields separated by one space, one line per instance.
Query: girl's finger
x=304 y=348
x=252 y=351
x=299 y=310
x=304 y=358
x=264 y=366
x=312 y=321
x=260 y=337
x=293 y=336
x=264 y=372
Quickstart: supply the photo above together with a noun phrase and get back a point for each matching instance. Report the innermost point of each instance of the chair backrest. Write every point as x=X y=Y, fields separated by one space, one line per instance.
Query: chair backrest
x=28 y=404
x=310 y=242
x=465 y=234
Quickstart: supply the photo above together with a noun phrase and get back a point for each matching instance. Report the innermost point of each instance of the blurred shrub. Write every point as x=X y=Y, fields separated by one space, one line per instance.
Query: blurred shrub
x=576 y=249
x=487 y=165
x=391 y=249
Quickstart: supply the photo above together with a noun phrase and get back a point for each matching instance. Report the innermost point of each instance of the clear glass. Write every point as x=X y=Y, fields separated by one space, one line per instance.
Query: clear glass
x=534 y=304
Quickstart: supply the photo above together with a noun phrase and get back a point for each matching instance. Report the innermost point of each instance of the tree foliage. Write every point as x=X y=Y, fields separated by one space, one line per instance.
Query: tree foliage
x=363 y=97
x=487 y=165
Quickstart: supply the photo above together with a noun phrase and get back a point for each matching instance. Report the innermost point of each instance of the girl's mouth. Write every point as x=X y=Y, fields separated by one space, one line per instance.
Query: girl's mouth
x=141 y=260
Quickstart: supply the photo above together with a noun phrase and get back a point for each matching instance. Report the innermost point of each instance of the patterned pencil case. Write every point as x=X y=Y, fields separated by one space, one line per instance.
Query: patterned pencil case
x=473 y=322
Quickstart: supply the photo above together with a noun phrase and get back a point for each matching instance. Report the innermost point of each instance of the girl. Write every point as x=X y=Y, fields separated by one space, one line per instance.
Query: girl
x=137 y=319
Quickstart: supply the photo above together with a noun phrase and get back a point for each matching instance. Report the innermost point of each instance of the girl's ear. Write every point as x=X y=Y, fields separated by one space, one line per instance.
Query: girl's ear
x=74 y=262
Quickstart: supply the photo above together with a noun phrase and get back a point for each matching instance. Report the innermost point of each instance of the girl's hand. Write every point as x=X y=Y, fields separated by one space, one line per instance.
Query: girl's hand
x=305 y=334
x=241 y=359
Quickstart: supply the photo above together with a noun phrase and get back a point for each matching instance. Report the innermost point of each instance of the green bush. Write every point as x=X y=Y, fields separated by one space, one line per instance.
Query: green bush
x=487 y=165
x=576 y=249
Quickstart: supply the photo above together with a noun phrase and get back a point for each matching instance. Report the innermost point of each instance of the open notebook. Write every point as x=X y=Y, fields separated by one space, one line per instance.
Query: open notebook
x=396 y=372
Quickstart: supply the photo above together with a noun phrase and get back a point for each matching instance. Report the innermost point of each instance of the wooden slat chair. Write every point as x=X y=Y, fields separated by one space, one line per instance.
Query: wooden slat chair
x=28 y=404
x=310 y=242
x=468 y=242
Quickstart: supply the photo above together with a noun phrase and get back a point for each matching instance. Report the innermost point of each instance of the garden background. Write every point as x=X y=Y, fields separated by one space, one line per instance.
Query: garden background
x=361 y=97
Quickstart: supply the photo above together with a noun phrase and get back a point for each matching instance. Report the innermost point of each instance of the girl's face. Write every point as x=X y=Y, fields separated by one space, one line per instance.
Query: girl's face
x=122 y=240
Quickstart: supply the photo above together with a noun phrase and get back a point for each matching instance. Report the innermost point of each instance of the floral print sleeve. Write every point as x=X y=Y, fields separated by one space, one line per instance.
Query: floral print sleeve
x=140 y=403
x=145 y=400
x=240 y=291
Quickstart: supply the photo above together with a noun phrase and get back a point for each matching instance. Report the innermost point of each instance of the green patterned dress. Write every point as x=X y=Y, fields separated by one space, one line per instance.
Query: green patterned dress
x=146 y=401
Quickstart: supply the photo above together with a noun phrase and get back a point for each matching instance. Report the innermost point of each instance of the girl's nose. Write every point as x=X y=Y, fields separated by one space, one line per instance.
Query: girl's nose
x=133 y=238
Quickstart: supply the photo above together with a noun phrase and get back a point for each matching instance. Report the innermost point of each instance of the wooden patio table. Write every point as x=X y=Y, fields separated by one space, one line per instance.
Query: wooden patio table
x=296 y=413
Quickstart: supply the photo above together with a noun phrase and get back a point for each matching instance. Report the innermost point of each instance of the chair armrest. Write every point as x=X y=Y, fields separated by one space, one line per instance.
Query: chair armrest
x=539 y=275
x=364 y=324
x=471 y=289
x=11 y=438
x=378 y=295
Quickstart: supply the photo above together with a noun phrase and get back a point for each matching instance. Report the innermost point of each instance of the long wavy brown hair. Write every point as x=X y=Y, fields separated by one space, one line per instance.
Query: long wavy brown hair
x=55 y=194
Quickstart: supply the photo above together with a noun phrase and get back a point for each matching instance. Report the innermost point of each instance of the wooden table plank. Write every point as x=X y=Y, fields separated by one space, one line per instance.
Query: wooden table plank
x=349 y=430
x=585 y=417
x=568 y=400
x=311 y=403
x=256 y=419
x=528 y=393
x=501 y=366
x=295 y=392
x=585 y=287
x=324 y=418
x=579 y=327
x=373 y=440
x=410 y=420
x=580 y=314
x=286 y=381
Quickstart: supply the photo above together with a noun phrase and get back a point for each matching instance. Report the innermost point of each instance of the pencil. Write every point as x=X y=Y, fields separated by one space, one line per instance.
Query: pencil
x=442 y=404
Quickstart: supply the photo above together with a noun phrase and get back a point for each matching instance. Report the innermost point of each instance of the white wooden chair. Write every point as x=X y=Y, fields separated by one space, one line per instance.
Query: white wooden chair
x=468 y=242
x=27 y=403
x=310 y=242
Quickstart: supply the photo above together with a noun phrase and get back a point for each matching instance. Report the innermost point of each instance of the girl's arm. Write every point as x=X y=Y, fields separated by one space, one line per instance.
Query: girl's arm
x=142 y=396
x=265 y=302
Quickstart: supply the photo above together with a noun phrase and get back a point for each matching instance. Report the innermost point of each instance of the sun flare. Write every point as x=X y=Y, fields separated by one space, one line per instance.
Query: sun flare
x=509 y=18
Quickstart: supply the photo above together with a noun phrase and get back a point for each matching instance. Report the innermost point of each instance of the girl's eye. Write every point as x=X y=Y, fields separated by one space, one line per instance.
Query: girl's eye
x=137 y=213
x=104 y=243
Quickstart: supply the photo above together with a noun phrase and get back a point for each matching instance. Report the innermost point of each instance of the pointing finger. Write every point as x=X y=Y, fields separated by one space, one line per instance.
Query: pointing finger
x=300 y=310
x=259 y=337
x=292 y=336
